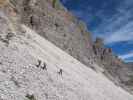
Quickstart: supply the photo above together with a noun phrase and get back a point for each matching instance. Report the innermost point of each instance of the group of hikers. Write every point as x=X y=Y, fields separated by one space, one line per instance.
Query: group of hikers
x=44 y=67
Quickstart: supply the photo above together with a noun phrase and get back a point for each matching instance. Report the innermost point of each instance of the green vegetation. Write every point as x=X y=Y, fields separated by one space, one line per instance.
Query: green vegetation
x=30 y=97
x=57 y=5
x=82 y=26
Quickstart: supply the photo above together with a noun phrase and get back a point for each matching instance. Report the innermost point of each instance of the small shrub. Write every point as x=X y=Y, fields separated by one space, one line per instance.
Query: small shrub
x=82 y=26
x=57 y=5
x=54 y=3
x=30 y=97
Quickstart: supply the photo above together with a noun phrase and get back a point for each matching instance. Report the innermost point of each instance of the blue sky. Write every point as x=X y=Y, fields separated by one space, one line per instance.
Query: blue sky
x=110 y=19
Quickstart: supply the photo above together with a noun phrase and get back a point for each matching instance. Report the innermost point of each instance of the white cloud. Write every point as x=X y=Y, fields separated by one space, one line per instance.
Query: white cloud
x=126 y=56
x=125 y=33
x=113 y=28
x=119 y=27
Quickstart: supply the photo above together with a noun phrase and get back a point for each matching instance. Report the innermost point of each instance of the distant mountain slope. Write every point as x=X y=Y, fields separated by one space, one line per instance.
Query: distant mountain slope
x=32 y=68
x=115 y=69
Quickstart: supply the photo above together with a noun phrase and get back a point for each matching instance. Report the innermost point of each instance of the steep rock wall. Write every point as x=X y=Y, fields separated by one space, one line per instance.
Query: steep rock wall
x=58 y=26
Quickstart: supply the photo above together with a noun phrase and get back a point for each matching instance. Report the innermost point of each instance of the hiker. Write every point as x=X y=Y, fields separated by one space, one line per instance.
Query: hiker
x=60 y=72
x=39 y=63
x=44 y=66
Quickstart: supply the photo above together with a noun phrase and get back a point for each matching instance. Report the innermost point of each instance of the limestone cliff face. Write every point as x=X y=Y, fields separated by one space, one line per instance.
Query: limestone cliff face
x=55 y=23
